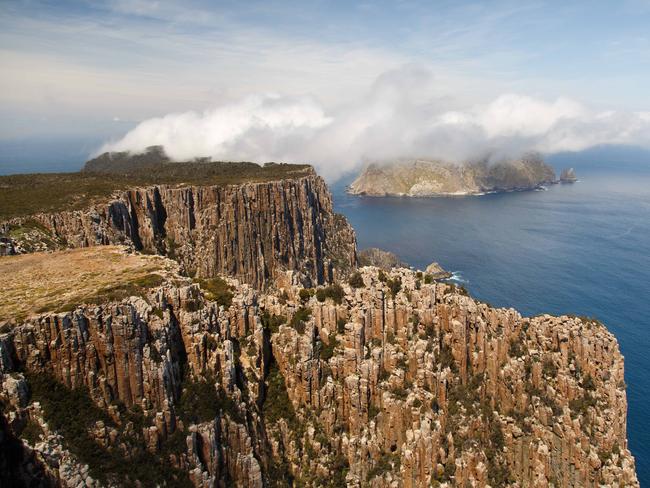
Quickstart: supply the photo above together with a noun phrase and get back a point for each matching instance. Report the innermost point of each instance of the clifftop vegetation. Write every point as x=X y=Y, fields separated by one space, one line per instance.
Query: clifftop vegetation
x=27 y=194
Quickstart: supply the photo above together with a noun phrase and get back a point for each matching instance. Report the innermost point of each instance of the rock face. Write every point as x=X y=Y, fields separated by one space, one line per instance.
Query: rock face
x=421 y=178
x=253 y=231
x=568 y=175
x=392 y=386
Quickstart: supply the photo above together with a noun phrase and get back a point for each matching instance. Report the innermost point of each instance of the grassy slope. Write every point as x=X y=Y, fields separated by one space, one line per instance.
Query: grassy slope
x=59 y=281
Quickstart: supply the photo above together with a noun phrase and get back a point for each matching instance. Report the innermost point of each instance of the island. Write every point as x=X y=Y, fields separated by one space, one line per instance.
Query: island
x=425 y=178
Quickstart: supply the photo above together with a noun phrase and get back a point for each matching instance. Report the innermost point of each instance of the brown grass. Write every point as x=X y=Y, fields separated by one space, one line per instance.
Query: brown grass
x=59 y=281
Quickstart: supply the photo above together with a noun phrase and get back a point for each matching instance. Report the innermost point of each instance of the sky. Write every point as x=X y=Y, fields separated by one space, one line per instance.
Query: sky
x=331 y=83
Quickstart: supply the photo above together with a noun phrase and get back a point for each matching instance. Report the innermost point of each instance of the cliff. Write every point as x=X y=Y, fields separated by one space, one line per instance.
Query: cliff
x=252 y=231
x=421 y=178
x=394 y=381
x=258 y=356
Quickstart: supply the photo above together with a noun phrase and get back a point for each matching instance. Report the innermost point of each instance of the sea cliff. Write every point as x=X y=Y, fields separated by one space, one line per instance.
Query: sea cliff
x=372 y=377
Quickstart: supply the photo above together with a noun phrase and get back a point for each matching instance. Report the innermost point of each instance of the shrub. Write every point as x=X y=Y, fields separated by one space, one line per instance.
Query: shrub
x=299 y=318
x=516 y=350
x=272 y=322
x=305 y=294
x=216 y=289
x=394 y=285
x=340 y=325
x=321 y=295
x=386 y=463
x=106 y=464
x=277 y=404
x=399 y=392
x=327 y=350
x=32 y=432
x=356 y=280
x=201 y=401
x=588 y=383
x=428 y=279
x=549 y=368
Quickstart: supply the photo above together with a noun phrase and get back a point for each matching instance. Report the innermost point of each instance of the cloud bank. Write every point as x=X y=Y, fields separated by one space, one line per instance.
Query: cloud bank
x=400 y=116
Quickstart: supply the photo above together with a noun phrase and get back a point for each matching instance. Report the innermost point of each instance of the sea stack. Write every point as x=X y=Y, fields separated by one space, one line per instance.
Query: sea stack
x=568 y=175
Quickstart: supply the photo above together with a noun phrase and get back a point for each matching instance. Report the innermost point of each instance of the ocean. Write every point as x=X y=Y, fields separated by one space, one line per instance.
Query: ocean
x=580 y=248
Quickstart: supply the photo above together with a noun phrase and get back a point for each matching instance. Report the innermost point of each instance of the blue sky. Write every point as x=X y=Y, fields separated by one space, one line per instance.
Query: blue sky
x=90 y=71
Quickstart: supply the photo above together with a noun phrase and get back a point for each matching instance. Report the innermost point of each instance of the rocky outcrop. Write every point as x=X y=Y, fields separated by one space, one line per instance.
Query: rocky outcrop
x=568 y=175
x=422 y=178
x=254 y=231
x=393 y=383
x=437 y=272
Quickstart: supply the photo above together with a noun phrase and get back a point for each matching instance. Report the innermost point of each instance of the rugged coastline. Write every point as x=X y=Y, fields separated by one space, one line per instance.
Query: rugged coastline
x=266 y=368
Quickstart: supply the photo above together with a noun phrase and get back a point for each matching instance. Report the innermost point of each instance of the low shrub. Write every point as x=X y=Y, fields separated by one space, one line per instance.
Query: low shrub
x=356 y=280
x=299 y=318
x=217 y=289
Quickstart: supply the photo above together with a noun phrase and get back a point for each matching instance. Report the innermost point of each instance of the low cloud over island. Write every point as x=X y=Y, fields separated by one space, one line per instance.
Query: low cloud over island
x=400 y=116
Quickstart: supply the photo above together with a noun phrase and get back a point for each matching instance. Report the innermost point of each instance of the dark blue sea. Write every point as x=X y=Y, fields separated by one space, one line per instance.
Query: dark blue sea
x=581 y=249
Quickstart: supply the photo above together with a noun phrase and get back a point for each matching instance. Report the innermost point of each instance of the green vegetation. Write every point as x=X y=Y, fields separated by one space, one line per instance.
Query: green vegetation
x=516 y=348
x=327 y=350
x=217 y=289
x=272 y=322
x=107 y=465
x=549 y=368
x=27 y=194
x=32 y=432
x=305 y=294
x=387 y=462
x=277 y=404
x=428 y=279
x=201 y=401
x=458 y=289
x=581 y=405
x=335 y=292
x=356 y=280
x=394 y=285
x=446 y=358
x=340 y=325
x=299 y=318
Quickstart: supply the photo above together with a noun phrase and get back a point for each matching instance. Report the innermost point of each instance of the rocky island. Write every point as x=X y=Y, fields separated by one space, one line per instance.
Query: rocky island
x=424 y=178
x=212 y=327
x=568 y=175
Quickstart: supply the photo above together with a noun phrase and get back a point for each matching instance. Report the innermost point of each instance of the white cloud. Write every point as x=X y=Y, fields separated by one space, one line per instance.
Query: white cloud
x=401 y=115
